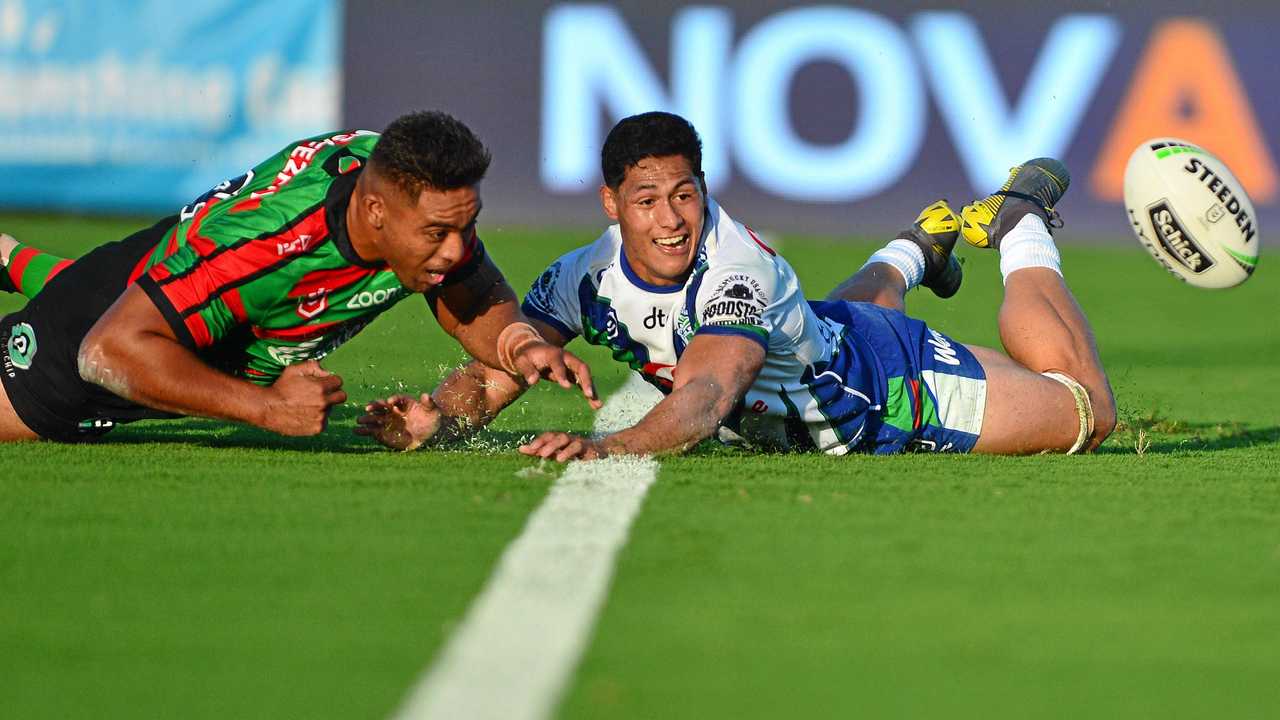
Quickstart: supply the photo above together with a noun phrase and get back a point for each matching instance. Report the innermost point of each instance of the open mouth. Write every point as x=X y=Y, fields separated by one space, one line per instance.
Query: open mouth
x=673 y=244
x=435 y=278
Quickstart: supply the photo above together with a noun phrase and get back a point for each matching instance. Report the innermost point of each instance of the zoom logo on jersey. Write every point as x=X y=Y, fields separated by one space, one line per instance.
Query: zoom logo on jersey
x=367 y=299
x=1175 y=240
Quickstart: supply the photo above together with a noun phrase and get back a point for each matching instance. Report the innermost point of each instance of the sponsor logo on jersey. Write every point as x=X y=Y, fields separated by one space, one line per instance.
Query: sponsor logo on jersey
x=1175 y=240
x=943 y=351
x=221 y=191
x=542 y=292
x=1223 y=192
x=656 y=318
x=317 y=348
x=22 y=346
x=300 y=158
x=299 y=244
x=95 y=425
x=684 y=328
x=738 y=299
x=372 y=298
x=314 y=304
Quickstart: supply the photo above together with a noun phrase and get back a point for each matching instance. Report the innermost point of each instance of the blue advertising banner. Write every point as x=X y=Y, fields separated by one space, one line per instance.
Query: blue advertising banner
x=142 y=105
x=833 y=118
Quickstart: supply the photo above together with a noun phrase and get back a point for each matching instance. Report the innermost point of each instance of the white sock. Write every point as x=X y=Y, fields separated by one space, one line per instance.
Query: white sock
x=1028 y=245
x=904 y=256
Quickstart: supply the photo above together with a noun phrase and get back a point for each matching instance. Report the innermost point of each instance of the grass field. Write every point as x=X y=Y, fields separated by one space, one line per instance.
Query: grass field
x=200 y=570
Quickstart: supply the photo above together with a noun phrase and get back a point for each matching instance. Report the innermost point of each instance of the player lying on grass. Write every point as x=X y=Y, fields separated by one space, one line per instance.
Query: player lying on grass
x=700 y=307
x=223 y=310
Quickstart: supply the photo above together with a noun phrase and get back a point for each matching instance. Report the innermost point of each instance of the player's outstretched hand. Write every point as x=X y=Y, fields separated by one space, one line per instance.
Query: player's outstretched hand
x=563 y=447
x=400 y=422
x=301 y=398
x=542 y=359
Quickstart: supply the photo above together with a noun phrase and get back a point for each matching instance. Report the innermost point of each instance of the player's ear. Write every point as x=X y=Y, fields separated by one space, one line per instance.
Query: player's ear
x=374 y=209
x=609 y=200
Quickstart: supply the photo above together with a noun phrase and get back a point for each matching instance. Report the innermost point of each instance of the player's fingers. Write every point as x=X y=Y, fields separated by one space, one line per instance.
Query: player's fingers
x=367 y=431
x=557 y=371
x=570 y=451
x=538 y=444
x=312 y=368
x=526 y=369
x=557 y=445
x=427 y=401
x=582 y=374
x=531 y=447
x=401 y=402
x=327 y=383
x=376 y=406
x=335 y=397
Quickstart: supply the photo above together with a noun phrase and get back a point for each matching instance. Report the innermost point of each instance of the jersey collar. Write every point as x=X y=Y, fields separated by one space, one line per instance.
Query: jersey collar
x=335 y=211
x=708 y=224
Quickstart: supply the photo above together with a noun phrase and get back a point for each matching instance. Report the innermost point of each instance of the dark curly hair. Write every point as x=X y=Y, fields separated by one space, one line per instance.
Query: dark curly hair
x=431 y=149
x=651 y=134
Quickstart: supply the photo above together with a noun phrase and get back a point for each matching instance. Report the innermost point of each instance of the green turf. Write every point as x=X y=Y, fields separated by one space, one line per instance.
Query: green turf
x=197 y=569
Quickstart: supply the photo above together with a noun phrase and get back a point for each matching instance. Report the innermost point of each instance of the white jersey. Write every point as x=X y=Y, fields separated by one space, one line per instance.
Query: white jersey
x=739 y=286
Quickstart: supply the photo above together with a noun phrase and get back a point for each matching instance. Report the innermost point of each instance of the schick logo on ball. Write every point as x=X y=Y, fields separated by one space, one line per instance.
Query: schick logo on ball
x=22 y=346
x=1176 y=241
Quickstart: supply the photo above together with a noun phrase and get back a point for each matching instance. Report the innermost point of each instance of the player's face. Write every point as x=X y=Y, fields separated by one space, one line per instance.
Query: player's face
x=423 y=241
x=659 y=207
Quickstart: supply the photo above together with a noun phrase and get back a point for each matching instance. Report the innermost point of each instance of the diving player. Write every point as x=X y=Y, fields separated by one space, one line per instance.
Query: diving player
x=224 y=310
x=694 y=301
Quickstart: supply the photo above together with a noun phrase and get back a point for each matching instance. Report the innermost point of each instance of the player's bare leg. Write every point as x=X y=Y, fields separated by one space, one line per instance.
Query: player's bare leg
x=919 y=255
x=877 y=283
x=1033 y=400
x=11 y=426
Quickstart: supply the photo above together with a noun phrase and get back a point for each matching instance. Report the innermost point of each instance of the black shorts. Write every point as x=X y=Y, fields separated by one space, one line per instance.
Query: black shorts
x=41 y=342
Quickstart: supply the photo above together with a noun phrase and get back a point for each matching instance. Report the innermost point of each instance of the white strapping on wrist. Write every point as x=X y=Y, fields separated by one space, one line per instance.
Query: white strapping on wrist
x=513 y=339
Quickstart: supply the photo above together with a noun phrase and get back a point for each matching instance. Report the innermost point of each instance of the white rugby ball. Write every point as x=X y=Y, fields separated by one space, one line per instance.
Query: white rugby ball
x=1191 y=213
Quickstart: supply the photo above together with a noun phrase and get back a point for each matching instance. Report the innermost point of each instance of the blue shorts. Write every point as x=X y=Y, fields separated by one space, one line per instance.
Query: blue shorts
x=930 y=391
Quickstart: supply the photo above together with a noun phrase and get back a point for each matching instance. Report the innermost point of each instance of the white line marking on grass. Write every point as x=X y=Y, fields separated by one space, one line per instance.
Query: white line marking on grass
x=522 y=638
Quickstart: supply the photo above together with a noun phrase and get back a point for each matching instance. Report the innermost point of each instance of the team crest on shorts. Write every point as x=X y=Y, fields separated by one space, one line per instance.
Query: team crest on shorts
x=22 y=345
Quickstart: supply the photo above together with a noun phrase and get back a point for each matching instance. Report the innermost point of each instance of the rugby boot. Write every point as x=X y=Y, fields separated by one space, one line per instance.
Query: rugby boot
x=1034 y=186
x=935 y=231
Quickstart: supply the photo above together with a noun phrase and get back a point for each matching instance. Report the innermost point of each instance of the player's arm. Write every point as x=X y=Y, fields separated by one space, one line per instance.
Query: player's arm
x=482 y=313
x=132 y=351
x=464 y=402
x=714 y=373
x=512 y=351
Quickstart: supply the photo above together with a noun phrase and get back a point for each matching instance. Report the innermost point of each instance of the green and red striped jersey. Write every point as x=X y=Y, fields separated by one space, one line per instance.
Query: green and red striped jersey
x=259 y=272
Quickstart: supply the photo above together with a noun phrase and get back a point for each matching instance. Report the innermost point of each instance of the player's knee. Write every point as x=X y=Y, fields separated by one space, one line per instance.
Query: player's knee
x=89 y=357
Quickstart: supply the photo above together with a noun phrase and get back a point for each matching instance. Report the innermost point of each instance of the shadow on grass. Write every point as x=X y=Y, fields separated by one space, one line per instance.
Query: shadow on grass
x=1154 y=434
x=338 y=437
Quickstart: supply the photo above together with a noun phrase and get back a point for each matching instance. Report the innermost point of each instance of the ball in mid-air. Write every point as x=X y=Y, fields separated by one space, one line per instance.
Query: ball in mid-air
x=1191 y=213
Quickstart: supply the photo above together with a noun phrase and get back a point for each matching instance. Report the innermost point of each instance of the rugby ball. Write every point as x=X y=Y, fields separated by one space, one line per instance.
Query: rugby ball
x=1191 y=213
